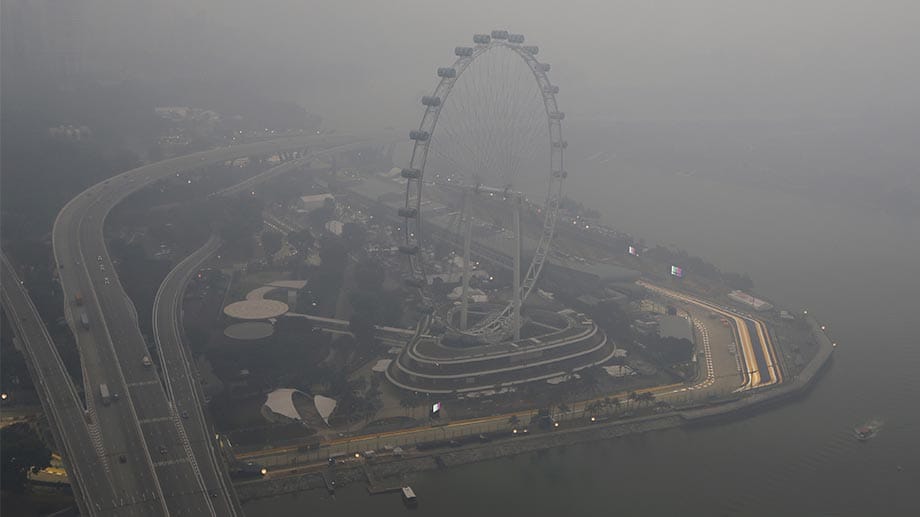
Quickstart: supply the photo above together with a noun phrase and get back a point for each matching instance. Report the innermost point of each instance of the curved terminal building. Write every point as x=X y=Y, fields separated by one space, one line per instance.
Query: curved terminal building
x=554 y=344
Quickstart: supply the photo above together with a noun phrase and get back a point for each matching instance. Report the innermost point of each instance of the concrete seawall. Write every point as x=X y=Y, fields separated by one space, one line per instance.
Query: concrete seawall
x=383 y=469
x=793 y=387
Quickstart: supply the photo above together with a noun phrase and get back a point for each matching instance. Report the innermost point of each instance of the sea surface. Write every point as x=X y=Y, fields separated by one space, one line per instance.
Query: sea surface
x=852 y=265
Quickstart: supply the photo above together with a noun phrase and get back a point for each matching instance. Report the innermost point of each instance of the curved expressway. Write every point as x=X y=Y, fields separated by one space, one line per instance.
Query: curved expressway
x=177 y=370
x=87 y=471
x=142 y=434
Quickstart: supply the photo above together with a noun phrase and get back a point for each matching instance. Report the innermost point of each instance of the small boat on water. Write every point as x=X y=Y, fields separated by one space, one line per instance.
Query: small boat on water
x=408 y=496
x=868 y=430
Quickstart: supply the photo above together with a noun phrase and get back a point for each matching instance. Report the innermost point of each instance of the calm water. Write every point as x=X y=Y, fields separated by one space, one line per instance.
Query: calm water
x=855 y=268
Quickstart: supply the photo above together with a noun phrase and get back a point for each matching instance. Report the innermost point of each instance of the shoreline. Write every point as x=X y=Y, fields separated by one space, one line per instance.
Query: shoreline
x=382 y=471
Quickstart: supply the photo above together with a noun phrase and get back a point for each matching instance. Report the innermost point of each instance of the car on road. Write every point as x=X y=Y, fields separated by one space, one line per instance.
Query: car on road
x=107 y=281
x=185 y=414
x=99 y=258
x=122 y=459
x=101 y=267
x=162 y=449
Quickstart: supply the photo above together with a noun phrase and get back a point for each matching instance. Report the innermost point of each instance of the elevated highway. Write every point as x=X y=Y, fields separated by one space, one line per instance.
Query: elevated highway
x=88 y=467
x=142 y=424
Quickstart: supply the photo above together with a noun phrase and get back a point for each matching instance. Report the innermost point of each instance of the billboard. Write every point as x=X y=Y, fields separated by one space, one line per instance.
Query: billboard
x=633 y=251
x=676 y=271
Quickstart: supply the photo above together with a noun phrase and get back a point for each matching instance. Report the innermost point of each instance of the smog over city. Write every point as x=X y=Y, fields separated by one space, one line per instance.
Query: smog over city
x=459 y=258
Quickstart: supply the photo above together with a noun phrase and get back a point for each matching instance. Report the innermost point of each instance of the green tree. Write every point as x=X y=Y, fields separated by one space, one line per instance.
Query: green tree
x=409 y=401
x=22 y=451
x=301 y=239
x=333 y=254
x=239 y=220
x=594 y=407
x=369 y=275
x=671 y=350
x=632 y=396
x=364 y=319
x=320 y=216
x=591 y=378
x=563 y=408
x=615 y=403
x=271 y=243
x=354 y=236
x=647 y=397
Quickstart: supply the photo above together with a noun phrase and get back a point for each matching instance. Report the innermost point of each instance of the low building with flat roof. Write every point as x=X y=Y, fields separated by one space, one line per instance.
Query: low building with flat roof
x=310 y=203
x=750 y=301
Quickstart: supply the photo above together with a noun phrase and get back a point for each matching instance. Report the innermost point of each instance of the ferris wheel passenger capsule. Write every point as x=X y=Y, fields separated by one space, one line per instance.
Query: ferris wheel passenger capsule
x=447 y=72
x=557 y=115
x=463 y=51
x=516 y=38
x=419 y=136
x=481 y=39
x=499 y=34
x=533 y=50
x=430 y=100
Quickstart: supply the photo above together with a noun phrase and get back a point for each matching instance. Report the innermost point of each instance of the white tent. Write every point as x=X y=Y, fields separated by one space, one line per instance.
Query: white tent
x=324 y=406
x=281 y=403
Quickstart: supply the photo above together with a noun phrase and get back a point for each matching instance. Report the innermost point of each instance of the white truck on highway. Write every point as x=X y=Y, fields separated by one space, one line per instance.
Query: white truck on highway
x=104 y=392
x=146 y=361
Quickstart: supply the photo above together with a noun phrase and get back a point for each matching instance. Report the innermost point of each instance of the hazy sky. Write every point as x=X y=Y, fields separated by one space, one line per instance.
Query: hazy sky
x=366 y=62
x=361 y=60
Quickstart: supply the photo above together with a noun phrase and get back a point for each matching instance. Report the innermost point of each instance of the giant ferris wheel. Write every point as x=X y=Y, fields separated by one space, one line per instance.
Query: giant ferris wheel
x=490 y=128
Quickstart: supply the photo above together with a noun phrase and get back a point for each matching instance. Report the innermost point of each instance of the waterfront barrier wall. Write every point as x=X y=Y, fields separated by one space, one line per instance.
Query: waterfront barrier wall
x=392 y=467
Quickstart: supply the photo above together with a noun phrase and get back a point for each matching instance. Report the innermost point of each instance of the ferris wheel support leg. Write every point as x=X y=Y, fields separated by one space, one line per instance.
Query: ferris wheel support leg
x=516 y=315
x=465 y=303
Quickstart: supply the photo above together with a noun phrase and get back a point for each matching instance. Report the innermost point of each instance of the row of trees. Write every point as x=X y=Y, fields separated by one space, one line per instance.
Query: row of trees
x=609 y=405
x=605 y=406
x=578 y=208
x=699 y=267
x=411 y=400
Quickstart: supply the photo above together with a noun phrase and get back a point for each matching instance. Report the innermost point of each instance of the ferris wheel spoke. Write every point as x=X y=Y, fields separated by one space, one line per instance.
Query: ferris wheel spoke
x=497 y=123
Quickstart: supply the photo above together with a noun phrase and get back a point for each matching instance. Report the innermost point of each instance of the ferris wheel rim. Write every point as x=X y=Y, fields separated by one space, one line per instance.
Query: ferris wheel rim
x=422 y=138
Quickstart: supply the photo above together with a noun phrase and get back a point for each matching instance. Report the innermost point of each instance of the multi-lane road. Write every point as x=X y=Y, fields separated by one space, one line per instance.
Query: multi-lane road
x=178 y=371
x=69 y=421
x=154 y=466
